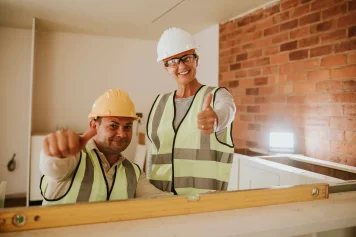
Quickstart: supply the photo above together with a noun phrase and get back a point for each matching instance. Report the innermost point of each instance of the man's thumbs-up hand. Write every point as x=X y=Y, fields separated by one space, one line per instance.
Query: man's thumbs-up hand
x=65 y=143
x=207 y=117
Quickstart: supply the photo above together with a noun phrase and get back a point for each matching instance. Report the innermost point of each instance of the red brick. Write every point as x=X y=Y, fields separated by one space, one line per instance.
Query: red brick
x=279 y=58
x=233 y=84
x=262 y=61
x=255 y=54
x=299 y=11
x=241 y=57
x=270 y=70
x=227 y=75
x=317 y=5
x=328 y=86
x=349 y=136
x=253 y=109
x=352 y=58
x=319 y=75
x=298 y=55
x=348 y=124
x=352 y=5
x=272 y=10
x=299 y=33
x=248 y=64
x=286 y=89
x=313 y=40
x=277 y=99
x=333 y=60
x=304 y=87
x=284 y=16
x=308 y=65
x=343 y=73
x=308 y=19
x=261 y=118
x=270 y=31
x=347 y=20
x=254 y=72
x=345 y=46
x=261 y=100
x=352 y=31
x=252 y=91
x=227 y=60
x=296 y=77
x=305 y=1
x=349 y=85
x=324 y=26
x=260 y=81
x=287 y=4
x=345 y=97
x=235 y=66
x=296 y=99
x=289 y=46
x=247 y=100
x=236 y=50
x=255 y=127
x=246 y=83
x=248 y=29
x=337 y=135
x=270 y=50
x=266 y=90
x=265 y=23
x=280 y=38
x=322 y=50
x=223 y=69
x=241 y=108
x=334 y=11
x=350 y=110
x=241 y=74
x=289 y=25
x=334 y=35
x=246 y=117
x=256 y=15
x=224 y=53
x=249 y=46
x=227 y=27
x=264 y=43
x=318 y=98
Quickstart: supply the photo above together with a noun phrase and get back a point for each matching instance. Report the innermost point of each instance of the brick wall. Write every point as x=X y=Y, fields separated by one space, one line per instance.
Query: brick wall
x=292 y=66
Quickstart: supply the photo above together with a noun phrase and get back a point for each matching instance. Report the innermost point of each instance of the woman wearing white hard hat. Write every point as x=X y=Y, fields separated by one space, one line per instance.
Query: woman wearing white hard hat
x=190 y=128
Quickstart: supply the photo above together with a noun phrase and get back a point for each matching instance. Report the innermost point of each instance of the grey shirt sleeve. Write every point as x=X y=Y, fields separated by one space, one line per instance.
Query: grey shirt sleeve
x=225 y=109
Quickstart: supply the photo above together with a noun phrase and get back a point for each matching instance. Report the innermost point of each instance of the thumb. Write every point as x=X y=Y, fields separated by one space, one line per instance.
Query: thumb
x=91 y=132
x=207 y=101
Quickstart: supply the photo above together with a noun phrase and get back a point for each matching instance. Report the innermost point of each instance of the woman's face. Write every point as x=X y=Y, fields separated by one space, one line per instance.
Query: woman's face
x=183 y=70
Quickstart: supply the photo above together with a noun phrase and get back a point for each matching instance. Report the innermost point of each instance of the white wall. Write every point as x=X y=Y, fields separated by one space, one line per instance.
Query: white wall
x=72 y=70
x=208 y=69
x=15 y=63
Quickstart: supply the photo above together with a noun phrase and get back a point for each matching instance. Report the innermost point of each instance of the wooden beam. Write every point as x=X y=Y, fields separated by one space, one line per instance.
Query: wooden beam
x=90 y=213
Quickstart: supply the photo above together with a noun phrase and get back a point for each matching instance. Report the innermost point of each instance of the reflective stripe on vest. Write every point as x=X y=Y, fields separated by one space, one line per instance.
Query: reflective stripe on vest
x=89 y=184
x=200 y=162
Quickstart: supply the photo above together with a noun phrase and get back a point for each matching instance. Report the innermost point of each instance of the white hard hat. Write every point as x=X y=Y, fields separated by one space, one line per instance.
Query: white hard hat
x=174 y=41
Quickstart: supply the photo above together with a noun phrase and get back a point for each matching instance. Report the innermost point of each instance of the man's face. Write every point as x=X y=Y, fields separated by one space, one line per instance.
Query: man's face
x=184 y=73
x=114 y=134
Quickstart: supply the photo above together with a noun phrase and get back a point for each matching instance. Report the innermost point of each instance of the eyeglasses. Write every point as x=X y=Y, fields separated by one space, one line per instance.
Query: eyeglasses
x=187 y=59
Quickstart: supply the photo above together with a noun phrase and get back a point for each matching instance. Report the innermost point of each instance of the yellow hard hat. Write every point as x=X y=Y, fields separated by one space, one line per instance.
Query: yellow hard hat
x=113 y=102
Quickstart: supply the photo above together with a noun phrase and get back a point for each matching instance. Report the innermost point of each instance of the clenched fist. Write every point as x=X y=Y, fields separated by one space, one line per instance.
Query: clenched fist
x=207 y=117
x=66 y=143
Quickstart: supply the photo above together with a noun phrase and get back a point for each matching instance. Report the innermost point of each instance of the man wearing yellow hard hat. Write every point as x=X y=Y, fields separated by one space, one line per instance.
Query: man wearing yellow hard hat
x=90 y=167
x=190 y=128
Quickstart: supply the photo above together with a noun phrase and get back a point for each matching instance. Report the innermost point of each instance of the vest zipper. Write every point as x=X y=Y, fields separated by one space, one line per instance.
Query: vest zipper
x=176 y=132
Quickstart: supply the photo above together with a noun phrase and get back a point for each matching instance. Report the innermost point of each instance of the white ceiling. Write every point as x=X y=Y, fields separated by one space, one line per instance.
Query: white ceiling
x=144 y=19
